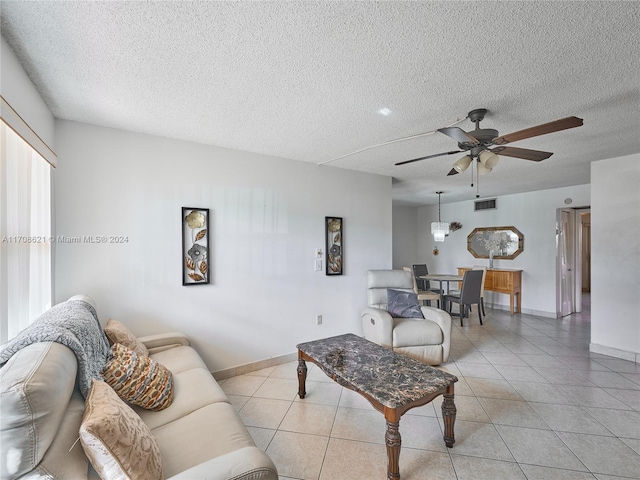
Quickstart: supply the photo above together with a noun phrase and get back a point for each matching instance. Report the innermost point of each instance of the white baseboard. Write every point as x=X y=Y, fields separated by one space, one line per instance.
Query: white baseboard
x=539 y=313
x=252 y=367
x=615 y=352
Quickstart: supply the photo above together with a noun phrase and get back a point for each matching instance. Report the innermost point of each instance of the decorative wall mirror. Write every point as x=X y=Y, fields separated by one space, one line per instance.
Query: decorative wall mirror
x=506 y=242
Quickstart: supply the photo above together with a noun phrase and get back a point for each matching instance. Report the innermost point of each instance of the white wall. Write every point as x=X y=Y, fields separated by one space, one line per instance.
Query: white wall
x=405 y=237
x=267 y=217
x=534 y=214
x=615 y=259
x=19 y=91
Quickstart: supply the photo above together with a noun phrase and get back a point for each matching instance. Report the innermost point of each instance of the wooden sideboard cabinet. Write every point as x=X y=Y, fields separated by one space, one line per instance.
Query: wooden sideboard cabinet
x=503 y=280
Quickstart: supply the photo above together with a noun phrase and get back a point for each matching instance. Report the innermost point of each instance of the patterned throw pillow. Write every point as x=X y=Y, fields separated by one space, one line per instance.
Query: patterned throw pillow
x=403 y=304
x=138 y=379
x=115 y=439
x=118 y=333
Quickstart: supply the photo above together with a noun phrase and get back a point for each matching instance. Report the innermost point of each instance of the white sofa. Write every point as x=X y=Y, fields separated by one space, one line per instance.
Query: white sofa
x=200 y=435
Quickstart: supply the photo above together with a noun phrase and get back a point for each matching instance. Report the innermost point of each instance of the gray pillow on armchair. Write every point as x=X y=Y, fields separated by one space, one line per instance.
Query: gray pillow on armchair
x=403 y=304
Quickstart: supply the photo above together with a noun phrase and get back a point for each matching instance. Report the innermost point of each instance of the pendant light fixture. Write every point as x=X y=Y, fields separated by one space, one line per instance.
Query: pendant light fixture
x=439 y=229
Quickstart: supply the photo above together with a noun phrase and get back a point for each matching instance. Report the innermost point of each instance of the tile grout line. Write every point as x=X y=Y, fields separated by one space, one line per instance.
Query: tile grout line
x=335 y=415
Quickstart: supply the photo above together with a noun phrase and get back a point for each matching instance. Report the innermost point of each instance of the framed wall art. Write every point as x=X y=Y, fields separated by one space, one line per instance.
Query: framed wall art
x=195 y=246
x=334 y=237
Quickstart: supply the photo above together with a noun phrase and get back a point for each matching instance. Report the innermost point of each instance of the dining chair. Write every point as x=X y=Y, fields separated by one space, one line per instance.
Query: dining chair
x=469 y=295
x=423 y=295
x=419 y=270
x=484 y=277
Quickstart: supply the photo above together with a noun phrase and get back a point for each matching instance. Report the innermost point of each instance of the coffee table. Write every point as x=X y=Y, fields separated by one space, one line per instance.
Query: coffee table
x=393 y=383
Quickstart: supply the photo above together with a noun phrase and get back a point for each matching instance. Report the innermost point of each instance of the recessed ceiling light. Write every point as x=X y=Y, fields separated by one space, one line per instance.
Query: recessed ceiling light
x=384 y=111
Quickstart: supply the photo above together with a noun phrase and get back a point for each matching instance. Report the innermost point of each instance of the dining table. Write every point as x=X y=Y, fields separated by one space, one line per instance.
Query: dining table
x=442 y=278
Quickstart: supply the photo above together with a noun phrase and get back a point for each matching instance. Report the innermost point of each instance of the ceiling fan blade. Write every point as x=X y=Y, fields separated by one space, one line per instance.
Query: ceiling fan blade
x=562 y=124
x=459 y=135
x=453 y=171
x=525 y=153
x=428 y=156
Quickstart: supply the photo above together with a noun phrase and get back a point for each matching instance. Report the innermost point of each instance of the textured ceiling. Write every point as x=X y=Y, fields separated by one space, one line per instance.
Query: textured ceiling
x=305 y=80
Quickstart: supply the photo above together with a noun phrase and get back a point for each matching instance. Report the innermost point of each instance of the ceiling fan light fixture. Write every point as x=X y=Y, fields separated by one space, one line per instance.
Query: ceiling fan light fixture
x=462 y=164
x=482 y=170
x=489 y=159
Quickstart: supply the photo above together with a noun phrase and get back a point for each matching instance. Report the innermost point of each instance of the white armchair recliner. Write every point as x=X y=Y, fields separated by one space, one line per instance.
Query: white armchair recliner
x=427 y=339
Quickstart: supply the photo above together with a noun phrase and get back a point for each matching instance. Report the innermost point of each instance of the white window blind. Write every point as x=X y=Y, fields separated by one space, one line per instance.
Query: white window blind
x=25 y=231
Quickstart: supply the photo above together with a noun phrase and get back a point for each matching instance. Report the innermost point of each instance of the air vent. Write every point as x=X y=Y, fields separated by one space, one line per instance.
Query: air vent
x=485 y=204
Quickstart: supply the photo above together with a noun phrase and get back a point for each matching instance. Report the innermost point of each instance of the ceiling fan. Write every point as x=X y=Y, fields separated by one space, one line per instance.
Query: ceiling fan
x=478 y=141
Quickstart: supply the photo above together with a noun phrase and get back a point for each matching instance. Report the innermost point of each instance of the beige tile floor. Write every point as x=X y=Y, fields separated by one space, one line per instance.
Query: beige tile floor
x=532 y=402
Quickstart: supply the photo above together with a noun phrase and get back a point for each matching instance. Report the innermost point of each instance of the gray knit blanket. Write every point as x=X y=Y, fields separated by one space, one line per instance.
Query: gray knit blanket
x=75 y=324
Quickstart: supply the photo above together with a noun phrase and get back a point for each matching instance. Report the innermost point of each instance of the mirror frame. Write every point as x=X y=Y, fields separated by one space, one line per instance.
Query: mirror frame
x=475 y=231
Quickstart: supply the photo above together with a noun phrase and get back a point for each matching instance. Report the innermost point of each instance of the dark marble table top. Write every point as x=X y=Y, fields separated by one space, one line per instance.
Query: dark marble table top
x=393 y=379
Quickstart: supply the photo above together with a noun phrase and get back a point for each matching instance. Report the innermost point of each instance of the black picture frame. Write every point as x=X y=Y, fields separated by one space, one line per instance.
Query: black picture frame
x=334 y=245
x=195 y=246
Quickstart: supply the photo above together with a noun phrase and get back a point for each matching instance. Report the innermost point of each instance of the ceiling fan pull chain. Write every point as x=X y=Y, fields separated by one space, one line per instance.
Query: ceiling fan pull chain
x=472 y=174
x=478 y=181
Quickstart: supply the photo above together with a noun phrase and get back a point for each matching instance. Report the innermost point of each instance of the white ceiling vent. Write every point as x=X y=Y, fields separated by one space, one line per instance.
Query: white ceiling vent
x=485 y=204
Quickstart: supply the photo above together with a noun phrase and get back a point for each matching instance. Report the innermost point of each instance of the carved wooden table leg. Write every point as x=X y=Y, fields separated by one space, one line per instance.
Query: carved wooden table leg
x=302 y=376
x=449 y=417
x=393 y=442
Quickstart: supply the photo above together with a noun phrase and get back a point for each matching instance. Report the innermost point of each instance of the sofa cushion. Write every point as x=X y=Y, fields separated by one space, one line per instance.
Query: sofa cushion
x=179 y=359
x=118 y=333
x=118 y=443
x=138 y=379
x=403 y=304
x=193 y=389
x=36 y=384
x=410 y=332
x=207 y=433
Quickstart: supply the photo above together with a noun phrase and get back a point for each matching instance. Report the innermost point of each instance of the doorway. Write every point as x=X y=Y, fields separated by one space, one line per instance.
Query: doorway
x=573 y=259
